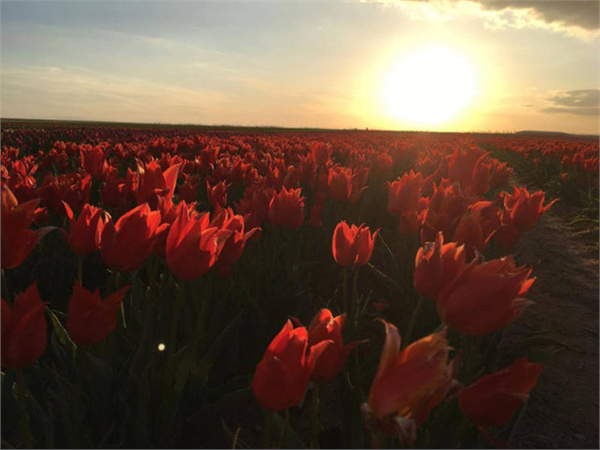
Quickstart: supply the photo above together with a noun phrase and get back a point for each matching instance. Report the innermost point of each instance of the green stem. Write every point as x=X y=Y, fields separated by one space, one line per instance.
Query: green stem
x=5 y=291
x=314 y=417
x=117 y=286
x=413 y=321
x=268 y=429
x=24 y=430
x=80 y=270
x=354 y=305
x=345 y=291
x=286 y=427
x=172 y=343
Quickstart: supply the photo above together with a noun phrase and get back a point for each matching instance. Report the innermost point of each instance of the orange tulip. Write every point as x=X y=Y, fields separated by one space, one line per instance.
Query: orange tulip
x=128 y=243
x=352 y=245
x=23 y=330
x=283 y=374
x=485 y=297
x=436 y=265
x=287 y=208
x=493 y=399
x=325 y=327
x=90 y=318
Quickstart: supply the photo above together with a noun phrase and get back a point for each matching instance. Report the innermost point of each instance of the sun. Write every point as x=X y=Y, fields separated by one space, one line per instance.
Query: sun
x=429 y=86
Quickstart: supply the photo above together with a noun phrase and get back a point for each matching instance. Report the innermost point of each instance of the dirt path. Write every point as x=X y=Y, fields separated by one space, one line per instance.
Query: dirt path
x=562 y=411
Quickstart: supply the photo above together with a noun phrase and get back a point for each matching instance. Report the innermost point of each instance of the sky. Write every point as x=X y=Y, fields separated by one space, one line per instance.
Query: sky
x=528 y=65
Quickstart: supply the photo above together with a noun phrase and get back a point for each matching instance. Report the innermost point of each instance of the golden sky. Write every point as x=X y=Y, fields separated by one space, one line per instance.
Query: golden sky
x=416 y=65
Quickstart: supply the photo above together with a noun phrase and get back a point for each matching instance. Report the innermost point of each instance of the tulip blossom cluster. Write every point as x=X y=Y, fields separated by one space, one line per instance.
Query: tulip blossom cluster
x=297 y=355
x=174 y=248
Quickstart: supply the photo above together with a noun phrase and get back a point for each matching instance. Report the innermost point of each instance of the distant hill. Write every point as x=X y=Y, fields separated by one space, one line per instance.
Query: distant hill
x=537 y=133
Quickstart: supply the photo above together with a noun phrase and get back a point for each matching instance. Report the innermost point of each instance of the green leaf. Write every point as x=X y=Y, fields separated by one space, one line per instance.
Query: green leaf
x=61 y=333
x=290 y=439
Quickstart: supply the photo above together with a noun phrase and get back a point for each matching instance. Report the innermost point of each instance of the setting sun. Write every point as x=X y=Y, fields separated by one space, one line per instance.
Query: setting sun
x=429 y=86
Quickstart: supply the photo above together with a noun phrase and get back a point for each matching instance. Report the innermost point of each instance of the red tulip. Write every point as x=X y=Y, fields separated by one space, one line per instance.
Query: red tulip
x=500 y=175
x=404 y=193
x=476 y=227
x=523 y=209
x=283 y=374
x=17 y=239
x=493 y=399
x=235 y=244
x=217 y=195
x=436 y=265
x=340 y=183
x=93 y=160
x=485 y=297
x=154 y=183
x=325 y=327
x=255 y=205
x=23 y=330
x=90 y=318
x=320 y=153
x=352 y=245
x=287 y=208
x=408 y=383
x=193 y=245
x=85 y=232
x=127 y=244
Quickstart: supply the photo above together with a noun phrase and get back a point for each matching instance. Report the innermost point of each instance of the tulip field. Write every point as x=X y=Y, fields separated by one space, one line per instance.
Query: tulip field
x=180 y=287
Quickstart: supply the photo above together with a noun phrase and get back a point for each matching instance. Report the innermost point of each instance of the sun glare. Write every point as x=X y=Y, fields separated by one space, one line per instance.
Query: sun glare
x=429 y=86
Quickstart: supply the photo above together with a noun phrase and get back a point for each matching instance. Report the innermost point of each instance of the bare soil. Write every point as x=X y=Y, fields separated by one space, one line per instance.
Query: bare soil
x=562 y=411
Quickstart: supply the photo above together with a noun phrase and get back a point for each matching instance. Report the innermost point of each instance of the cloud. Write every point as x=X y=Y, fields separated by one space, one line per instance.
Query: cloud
x=74 y=92
x=581 y=102
x=573 y=18
x=584 y=14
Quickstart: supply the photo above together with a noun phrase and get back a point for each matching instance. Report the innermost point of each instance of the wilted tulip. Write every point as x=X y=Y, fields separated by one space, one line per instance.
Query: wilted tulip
x=23 y=329
x=85 y=232
x=287 y=208
x=282 y=375
x=485 y=297
x=436 y=265
x=90 y=318
x=352 y=245
x=127 y=244
x=493 y=399
x=325 y=327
